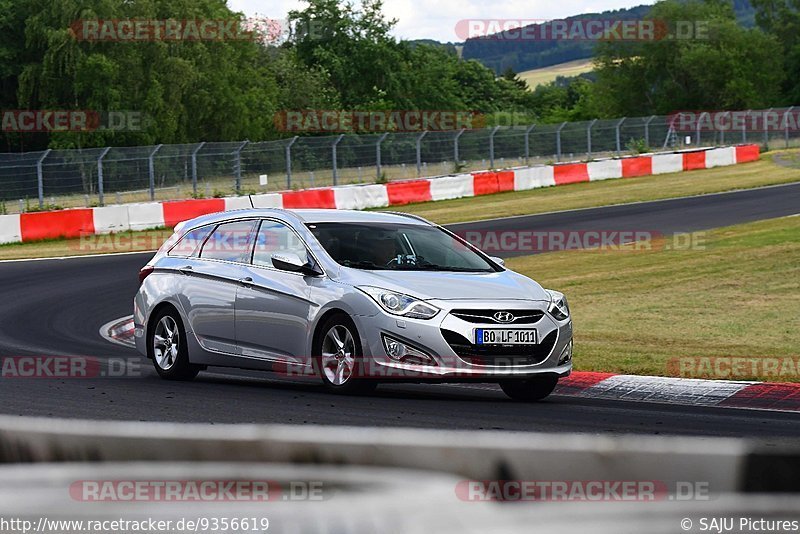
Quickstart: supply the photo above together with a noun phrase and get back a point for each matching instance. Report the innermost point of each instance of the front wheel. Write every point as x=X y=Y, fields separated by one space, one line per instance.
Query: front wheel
x=529 y=389
x=339 y=357
x=168 y=347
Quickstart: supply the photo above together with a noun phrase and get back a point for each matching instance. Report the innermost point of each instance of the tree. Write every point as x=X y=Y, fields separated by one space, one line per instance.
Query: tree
x=781 y=18
x=723 y=66
x=188 y=91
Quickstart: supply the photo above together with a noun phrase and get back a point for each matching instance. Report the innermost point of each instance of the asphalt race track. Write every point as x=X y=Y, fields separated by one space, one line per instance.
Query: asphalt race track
x=56 y=307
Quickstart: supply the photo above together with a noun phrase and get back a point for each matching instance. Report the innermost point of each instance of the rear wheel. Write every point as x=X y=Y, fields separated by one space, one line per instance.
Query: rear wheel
x=169 y=350
x=339 y=357
x=530 y=389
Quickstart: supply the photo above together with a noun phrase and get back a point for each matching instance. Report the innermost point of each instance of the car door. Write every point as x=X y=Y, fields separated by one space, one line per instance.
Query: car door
x=273 y=306
x=211 y=278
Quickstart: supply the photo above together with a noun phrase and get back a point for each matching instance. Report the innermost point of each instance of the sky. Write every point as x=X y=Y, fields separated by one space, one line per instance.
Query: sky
x=437 y=19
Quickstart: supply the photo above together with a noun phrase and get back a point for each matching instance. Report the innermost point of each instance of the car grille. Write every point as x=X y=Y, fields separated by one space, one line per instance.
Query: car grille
x=500 y=355
x=487 y=316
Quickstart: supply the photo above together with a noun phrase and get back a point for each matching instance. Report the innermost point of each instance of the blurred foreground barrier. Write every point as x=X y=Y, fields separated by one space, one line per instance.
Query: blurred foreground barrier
x=726 y=465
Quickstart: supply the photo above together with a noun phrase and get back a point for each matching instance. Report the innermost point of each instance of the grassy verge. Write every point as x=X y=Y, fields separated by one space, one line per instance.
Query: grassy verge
x=583 y=195
x=729 y=311
x=99 y=244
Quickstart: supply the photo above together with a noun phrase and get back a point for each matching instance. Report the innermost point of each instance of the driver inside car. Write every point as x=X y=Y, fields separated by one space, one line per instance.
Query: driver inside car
x=381 y=246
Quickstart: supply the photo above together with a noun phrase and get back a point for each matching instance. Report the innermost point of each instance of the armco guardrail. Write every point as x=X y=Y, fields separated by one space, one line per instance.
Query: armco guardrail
x=68 y=223
x=726 y=464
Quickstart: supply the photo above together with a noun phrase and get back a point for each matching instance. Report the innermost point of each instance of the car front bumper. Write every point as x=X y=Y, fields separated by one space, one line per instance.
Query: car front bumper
x=448 y=360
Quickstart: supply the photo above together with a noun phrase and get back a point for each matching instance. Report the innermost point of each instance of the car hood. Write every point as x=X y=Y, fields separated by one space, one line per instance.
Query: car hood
x=428 y=285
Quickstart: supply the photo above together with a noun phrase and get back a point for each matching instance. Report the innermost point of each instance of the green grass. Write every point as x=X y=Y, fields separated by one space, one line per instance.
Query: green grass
x=548 y=74
x=100 y=244
x=637 y=312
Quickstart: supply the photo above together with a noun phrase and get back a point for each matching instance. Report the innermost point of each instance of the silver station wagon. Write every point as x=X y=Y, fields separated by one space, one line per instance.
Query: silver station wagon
x=354 y=298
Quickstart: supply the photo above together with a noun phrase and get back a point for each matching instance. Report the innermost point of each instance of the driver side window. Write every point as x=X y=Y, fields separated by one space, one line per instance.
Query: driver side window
x=276 y=238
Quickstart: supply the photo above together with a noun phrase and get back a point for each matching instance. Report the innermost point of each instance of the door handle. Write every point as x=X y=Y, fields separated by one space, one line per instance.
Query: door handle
x=246 y=281
x=187 y=269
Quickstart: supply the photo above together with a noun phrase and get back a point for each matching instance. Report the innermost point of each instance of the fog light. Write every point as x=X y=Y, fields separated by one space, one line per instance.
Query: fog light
x=401 y=352
x=566 y=354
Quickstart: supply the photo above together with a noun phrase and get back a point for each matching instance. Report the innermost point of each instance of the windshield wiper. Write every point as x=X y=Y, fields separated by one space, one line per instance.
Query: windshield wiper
x=427 y=266
x=363 y=264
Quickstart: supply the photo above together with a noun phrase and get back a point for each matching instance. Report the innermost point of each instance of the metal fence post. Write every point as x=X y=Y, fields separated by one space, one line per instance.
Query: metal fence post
x=378 y=155
x=697 y=128
x=744 y=126
x=456 y=157
x=589 y=139
x=722 y=131
x=647 y=130
x=100 y=192
x=617 y=134
x=152 y=171
x=558 y=141
x=333 y=158
x=528 y=143
x=786 y=125
x=237 y=167
x=491 y=146
x=766 y=130
x=289 y=162
x=194 y=167
x=419 y=152
x=40 y=177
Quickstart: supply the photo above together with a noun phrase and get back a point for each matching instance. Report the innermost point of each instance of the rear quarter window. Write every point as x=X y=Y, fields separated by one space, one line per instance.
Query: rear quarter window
x=190 y=242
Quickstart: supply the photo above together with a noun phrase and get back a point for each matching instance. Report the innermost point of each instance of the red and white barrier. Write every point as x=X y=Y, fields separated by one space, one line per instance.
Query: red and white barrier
x=117 y=218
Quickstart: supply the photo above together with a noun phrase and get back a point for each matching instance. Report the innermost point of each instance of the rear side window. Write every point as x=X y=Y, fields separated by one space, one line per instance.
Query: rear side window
x=190 y=242
x=229 y=242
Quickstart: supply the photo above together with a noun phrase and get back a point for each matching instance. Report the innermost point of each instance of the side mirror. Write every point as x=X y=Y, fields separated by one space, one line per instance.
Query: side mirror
x=287 y=261
x=498 y=261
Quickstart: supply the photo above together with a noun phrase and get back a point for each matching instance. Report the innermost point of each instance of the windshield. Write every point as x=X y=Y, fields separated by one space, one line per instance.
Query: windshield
x=399 y=247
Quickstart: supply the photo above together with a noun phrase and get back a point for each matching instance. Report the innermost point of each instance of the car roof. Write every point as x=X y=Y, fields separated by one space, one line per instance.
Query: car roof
x=310 y=216
x=330 y=215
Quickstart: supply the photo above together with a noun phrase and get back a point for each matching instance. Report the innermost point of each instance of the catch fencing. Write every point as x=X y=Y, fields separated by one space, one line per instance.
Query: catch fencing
x=91 y=177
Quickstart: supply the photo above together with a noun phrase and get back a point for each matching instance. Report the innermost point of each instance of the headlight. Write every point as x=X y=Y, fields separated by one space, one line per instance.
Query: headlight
x=558 y=305
x=400 y=304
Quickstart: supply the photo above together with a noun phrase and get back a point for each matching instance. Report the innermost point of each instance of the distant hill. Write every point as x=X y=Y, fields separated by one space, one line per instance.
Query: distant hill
x=522 y=55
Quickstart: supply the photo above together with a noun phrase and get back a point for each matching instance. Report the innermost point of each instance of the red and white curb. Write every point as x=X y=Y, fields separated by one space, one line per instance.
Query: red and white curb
x=73 y=223
x=783 y=397
x=119 y=331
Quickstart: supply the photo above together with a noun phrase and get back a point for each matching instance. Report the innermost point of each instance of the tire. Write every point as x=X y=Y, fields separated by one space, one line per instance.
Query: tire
x=171 y=354
x=531 y=389
x=339 y=358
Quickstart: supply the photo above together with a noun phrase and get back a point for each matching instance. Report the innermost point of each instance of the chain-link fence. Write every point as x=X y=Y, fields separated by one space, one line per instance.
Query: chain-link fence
x=98 y=176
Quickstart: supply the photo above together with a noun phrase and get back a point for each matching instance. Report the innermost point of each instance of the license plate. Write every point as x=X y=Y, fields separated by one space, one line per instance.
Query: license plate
x=505 y=336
